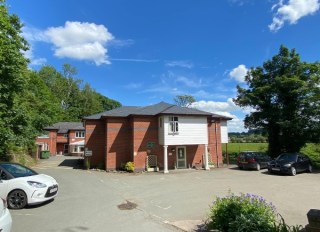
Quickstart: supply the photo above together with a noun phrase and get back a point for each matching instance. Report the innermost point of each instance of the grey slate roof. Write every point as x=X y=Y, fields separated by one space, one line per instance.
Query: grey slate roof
x=64 y=127
x=153 y=110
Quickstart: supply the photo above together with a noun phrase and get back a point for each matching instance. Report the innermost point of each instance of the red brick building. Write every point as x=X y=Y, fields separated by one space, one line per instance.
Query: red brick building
x=161 y=135
x=64 y=138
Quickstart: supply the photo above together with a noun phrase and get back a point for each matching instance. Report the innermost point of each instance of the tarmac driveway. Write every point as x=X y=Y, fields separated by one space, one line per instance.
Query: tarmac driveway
x=101 y=201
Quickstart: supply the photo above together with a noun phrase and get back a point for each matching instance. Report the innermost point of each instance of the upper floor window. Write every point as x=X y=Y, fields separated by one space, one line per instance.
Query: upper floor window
x=173 y=124
x=65 y=135
x=80 y=134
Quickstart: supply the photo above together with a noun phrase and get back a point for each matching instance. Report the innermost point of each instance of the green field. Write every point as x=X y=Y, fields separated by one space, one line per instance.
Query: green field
x=311 y=149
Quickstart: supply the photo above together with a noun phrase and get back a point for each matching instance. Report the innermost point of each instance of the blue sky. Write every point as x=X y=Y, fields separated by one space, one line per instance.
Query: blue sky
x=143 y=52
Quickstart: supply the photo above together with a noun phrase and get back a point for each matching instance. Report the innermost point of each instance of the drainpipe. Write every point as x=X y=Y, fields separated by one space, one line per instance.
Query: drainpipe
x=215 y=133
x=165 y=159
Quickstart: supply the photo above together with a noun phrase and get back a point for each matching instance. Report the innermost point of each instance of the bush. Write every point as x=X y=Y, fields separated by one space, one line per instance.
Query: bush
x=242 y=213
x=129 y=167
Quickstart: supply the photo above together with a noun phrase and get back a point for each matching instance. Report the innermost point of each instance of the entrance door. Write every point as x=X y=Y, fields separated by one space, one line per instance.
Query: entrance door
x=181 y=157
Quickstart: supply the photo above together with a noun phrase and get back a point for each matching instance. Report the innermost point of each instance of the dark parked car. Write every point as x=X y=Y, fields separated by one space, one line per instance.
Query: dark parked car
x=290 y=163
x=252 y=160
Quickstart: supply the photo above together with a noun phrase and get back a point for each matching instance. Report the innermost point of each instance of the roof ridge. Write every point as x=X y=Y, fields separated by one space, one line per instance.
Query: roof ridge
x=171 y=106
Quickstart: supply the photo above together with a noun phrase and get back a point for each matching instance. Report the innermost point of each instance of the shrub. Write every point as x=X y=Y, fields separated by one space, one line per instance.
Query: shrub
x=246 y=212
x=129 y=167
x=242 y=213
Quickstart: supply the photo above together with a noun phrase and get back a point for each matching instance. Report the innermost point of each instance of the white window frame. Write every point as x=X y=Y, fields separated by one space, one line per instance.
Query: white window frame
x=173 y=125
x=77 y=149
x=80 y=134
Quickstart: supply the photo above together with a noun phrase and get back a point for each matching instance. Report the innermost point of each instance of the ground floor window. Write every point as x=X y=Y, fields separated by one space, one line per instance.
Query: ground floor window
x=78 y=148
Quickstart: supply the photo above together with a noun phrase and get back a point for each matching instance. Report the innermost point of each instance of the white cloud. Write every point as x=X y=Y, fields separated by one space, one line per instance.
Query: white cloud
x=229 y=109
x=34 y=61
x=236 y=125
x=81 y=41
x=292 y=12
x=213 y=106
x=32 y=35
x=180 y=63
x=239 y=73
x=202 y=94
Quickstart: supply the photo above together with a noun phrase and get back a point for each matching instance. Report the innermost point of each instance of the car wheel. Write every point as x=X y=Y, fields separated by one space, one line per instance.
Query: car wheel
x=240 y=167
x=17 y=199
x=258 y=167
x=269 y=171
x=293 y=171
x=310 y=168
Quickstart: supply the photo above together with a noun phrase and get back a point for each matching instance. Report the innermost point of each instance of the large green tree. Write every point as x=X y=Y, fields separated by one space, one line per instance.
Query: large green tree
x=285 y=96
x=13 y=67
x=75 y=100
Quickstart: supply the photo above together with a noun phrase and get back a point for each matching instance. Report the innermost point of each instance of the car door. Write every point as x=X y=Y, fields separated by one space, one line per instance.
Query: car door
x=305 y=163
x=301 y=164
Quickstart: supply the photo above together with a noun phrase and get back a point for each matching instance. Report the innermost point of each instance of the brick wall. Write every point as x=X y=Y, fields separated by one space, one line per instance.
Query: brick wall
x=145 y=131
x=61 y=138
x=127 y=139
x=53 y=142
x=95 y=141
x=214 y=145
x=119 y=140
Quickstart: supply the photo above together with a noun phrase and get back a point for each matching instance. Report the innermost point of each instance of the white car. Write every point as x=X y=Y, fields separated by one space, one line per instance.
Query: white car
x=22 y=186
x=5 y=217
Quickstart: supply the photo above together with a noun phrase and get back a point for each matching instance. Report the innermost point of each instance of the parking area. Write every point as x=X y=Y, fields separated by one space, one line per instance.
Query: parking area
x=100 y=201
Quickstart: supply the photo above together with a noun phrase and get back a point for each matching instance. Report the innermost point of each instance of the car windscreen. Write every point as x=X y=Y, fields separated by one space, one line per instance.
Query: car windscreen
x=17 y=170
x=287 y=157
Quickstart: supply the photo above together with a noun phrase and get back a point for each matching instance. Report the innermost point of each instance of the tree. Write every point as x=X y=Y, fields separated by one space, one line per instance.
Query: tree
x=13 y=67
x=285 y=96
x=75 y=101
x=184 y=100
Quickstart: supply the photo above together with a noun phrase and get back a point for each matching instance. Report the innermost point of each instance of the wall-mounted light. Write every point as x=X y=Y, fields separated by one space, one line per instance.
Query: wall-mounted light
x=173 y=149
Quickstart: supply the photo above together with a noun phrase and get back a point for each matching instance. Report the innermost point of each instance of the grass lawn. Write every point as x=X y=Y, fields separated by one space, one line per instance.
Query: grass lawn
x=311 y=149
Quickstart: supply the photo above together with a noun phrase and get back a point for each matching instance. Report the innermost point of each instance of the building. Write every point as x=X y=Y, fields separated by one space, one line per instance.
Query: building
x=66 y=138
x=161 y=136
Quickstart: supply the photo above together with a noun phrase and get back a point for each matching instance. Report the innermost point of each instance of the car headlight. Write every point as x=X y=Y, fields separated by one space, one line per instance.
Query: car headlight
x=287 y=165
x=36 y=184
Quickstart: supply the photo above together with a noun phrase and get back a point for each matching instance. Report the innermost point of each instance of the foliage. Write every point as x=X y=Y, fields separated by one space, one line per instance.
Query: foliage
x=313 y=151
x=235 y=148
x=285 y=96
x=74 y=100
x=184 y=100
x=13 y=66
x=129 y=167
x=246 y=212
x=247 y=138
x=31 y=100
x=283 y=227
x=310 y=149
x=242 y=213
